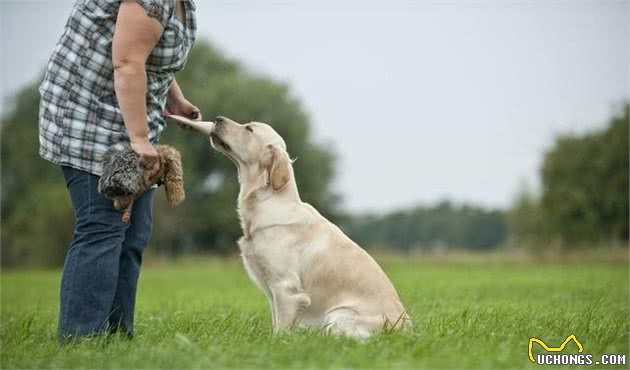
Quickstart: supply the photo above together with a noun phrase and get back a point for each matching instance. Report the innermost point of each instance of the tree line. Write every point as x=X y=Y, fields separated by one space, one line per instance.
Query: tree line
x=583 y=203
x=584 y=196
x=442 y=226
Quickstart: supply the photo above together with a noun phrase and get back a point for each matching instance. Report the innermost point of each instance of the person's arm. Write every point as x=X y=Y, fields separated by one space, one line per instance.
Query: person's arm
x=176 y=103
x=135 y=36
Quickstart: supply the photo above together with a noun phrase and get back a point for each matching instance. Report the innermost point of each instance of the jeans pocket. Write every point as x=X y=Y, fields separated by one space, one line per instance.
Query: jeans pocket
x=80 y=185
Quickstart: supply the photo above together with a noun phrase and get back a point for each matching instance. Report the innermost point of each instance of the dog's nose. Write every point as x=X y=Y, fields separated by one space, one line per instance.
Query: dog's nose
x=219 y=119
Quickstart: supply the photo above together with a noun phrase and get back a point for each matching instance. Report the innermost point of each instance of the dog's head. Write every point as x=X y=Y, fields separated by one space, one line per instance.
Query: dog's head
x=255 y=148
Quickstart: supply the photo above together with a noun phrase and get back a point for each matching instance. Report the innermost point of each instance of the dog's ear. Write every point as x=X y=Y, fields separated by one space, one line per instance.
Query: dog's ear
x=279 y=170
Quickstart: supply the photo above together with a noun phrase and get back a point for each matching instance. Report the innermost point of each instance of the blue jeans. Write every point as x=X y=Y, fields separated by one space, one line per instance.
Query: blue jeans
x=100 y=274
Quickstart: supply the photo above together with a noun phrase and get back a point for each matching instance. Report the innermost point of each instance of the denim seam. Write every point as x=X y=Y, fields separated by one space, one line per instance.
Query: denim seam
x=89 y=211
x=70 y=274
x=103 y=325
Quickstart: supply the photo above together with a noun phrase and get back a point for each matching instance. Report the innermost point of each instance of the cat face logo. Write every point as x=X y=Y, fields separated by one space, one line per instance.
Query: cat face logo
x=553 y=349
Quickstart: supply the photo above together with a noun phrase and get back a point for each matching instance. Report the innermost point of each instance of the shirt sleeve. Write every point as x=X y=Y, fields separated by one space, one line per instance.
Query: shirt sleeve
x=158 y=9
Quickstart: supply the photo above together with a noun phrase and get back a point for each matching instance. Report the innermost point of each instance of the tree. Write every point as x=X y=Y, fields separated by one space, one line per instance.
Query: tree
x=526 y=226
x=36 y=213
x=585 y=185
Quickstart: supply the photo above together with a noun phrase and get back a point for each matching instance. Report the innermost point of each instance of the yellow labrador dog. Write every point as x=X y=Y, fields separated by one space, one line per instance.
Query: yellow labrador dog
x=311 y=272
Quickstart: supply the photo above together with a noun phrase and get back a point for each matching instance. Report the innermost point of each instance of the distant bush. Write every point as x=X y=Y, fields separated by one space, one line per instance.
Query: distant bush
x=584 y=200
x=444 y=226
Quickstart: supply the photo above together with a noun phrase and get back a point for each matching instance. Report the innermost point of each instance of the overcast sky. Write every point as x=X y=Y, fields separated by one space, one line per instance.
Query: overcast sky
x=422 y=100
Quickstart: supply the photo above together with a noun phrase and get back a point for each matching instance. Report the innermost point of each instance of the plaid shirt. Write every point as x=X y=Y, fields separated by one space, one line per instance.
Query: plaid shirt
x=79 y=117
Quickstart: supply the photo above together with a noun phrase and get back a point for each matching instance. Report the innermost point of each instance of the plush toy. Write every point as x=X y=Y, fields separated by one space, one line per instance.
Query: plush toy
x=124 y=178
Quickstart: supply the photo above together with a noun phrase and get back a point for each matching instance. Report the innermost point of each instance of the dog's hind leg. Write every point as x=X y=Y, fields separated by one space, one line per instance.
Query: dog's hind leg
x=346 y=322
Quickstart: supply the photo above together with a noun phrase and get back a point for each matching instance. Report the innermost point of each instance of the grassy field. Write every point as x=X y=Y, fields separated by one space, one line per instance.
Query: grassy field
x=207 y=314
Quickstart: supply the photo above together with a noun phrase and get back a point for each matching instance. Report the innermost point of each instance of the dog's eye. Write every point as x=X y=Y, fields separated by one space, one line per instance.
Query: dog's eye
x=249 y=128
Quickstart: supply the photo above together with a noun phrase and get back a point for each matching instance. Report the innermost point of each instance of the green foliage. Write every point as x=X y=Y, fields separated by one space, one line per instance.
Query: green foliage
x=525 y=222
x=209 y=315
x=584 y=191
x=441 y=226
x=36 y=212
x=46 y=215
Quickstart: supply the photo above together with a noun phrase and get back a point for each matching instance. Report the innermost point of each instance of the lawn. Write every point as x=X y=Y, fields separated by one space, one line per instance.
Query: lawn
x=207 y=314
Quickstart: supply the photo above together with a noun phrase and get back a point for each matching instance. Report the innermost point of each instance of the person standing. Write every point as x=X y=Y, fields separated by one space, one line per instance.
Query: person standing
x=110 y=78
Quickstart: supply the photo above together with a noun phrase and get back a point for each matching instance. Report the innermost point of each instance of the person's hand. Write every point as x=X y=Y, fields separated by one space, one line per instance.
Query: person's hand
x=182 y=107
x=148 y=156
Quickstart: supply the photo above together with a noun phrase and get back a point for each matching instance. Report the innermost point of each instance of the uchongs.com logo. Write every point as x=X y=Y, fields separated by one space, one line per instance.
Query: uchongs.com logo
x=580 y=358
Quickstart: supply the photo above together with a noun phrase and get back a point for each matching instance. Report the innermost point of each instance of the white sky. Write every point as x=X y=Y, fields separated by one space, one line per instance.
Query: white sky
x=422 y=100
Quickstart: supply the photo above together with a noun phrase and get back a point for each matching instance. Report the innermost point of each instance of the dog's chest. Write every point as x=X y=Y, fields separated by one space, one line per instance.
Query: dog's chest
x=255 y=263
x=270 y=255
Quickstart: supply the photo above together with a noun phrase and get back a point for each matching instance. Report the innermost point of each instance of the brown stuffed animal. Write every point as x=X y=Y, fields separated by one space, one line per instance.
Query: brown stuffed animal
x=124 y=178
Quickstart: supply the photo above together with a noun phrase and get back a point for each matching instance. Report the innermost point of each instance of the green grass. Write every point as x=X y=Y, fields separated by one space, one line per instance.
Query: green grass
x=207 y=314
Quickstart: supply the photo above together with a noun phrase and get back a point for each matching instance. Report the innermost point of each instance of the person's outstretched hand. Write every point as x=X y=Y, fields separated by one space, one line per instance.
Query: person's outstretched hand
x=182 y=107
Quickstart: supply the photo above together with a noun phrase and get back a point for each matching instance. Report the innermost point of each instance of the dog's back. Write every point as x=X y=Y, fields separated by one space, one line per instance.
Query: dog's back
x=350 y=293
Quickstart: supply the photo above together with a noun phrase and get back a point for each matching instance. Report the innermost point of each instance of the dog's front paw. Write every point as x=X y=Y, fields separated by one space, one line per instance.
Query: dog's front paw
x=303 y=300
